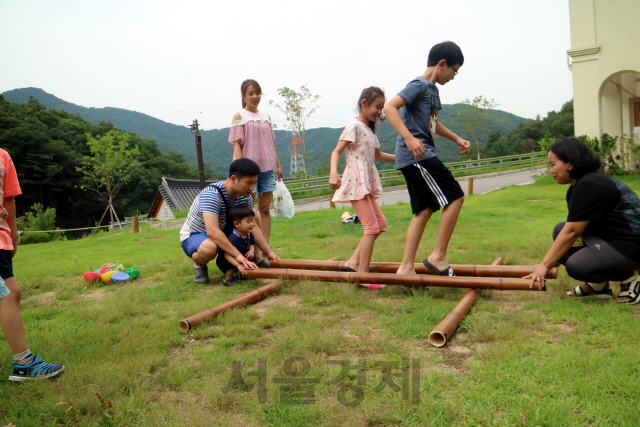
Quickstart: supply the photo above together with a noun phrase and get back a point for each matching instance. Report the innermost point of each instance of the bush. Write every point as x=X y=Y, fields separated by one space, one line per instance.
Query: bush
x=38 y=219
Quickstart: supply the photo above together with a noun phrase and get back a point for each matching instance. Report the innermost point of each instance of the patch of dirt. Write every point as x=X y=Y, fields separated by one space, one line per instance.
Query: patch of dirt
x=96 y=295
x=152 y=238
x=42 y=299
x=287 y=300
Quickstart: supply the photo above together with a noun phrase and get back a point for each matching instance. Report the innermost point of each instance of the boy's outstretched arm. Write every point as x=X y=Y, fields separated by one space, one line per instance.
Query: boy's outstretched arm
x=241 y=268
x=442 y=131
x=415 y=146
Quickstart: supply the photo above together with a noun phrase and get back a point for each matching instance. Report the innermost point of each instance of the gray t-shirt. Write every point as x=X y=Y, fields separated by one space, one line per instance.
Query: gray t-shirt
x=422 y=102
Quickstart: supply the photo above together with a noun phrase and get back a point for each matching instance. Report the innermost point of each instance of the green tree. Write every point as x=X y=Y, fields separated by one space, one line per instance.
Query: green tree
x=112 y=163
x=475 y=116
x=297 y=107
x=38 y=219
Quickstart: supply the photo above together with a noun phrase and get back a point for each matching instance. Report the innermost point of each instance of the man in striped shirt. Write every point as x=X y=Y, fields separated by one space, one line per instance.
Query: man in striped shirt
x=205 y=231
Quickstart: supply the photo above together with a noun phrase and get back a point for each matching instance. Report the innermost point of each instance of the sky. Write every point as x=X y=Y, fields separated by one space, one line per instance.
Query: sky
x=185 y=60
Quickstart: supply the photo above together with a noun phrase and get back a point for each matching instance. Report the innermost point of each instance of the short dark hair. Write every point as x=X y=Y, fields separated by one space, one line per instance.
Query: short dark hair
x=576 y=152
x=238 y=213
x=243 y=167
x=449 y=51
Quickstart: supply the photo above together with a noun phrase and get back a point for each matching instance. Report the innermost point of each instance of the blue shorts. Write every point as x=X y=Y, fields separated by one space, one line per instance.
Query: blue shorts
x=6 y=271
x=266 y=182
x=192 y=243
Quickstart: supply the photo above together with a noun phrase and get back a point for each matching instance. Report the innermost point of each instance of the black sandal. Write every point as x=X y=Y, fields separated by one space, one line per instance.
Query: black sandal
x=233 y=280
x=448 y=271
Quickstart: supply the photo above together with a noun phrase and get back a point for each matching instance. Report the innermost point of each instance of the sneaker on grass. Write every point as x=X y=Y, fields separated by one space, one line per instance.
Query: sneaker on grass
x=37 y=369
x=201 y=275
x=264 y=263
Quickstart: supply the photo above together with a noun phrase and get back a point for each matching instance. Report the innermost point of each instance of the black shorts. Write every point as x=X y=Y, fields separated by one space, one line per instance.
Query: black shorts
x=430 y=185
x=6 y=265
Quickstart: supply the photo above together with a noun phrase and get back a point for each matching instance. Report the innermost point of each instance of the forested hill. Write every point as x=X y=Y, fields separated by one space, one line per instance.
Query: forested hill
x=218 y=152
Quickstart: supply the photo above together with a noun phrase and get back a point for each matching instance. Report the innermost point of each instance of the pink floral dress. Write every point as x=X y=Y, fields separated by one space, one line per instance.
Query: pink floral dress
x=361 y=175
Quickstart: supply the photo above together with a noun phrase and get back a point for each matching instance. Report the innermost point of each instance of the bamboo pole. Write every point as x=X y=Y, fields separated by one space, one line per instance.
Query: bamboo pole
x=246 y=299
x=450 y=323
x=418 y=280
x=515 y=271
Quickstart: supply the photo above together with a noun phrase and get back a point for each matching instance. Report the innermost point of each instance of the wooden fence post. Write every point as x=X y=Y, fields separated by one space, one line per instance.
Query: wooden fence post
x=470 y=186
x=136 y=228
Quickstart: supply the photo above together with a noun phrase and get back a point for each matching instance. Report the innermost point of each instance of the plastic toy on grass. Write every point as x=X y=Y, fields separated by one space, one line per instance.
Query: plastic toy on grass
x=112 y=273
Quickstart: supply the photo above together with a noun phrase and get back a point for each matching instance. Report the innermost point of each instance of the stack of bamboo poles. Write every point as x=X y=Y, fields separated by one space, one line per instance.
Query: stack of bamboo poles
x=477 y=277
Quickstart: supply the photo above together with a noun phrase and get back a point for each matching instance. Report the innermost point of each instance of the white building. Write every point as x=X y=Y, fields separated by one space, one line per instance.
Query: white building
x=605 y=61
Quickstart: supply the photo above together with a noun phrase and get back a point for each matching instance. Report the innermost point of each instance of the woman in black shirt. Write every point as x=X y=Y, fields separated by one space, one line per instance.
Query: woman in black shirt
x=600 y=241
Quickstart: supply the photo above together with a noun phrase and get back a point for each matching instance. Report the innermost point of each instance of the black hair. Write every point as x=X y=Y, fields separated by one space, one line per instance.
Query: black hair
x=576 y=152
x=238 y=213
x=243 y=167
x=370 y=94
x=449 y=51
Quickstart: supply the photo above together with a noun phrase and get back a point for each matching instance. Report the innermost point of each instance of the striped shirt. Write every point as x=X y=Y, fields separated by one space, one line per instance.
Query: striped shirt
x=209 y=200
x=256 y=139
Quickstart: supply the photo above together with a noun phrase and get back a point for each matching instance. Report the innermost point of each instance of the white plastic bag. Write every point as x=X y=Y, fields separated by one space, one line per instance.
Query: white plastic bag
x=282 y=202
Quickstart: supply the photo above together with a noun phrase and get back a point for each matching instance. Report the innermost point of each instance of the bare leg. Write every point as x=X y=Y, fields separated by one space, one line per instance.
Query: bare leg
x=354 y=261
x=366 y=249
x=412 y=241
x=264 y=200
x=11 y=318
x=448 y=220
x=205 y=253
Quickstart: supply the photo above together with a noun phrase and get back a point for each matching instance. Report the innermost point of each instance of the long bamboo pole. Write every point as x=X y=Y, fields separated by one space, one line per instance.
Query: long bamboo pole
x=449 y=325
x=246 y=299
x=420 y=280
x=515 y=271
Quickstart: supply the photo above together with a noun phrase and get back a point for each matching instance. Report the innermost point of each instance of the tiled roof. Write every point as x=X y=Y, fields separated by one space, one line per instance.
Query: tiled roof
x=178 y=193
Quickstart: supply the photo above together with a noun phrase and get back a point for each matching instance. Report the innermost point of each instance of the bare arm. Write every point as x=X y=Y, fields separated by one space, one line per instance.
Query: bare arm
x=279 y=168
x=237 y=146
x=262 y=244
x=415 y=146
x=384 y=157
x=220 y=239
x=569 y=234
x=442 y=131
x=279 y=171
x=251 y=253
x=334 y=177
x=10 y=206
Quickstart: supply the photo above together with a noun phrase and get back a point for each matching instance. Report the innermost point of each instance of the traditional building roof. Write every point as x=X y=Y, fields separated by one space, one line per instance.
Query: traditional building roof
x=176 y=193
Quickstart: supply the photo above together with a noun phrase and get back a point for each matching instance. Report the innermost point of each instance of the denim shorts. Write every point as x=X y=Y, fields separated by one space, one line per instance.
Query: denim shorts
x=266 y=182
x=192 y=243
x=6 y=271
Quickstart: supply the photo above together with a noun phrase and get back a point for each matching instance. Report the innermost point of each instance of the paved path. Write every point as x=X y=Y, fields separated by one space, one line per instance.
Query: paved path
x=480 y=186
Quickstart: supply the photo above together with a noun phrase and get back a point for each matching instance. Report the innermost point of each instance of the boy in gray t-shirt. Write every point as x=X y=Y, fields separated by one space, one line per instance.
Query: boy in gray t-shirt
x=431 y=185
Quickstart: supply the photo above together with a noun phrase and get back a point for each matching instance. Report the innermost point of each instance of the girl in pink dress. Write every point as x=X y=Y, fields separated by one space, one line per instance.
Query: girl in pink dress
x=252 y=137
x=360 y=184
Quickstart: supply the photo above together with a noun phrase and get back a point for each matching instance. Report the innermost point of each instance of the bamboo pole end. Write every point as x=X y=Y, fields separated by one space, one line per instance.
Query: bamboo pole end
x=184 y=326
x=437 y=338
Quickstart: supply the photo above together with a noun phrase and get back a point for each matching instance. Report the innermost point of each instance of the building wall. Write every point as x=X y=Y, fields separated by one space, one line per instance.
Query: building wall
x=165 y=212
x=605 y=37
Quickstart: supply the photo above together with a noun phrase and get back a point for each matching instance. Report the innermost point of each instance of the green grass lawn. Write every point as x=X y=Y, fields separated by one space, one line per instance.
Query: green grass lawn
x=527 y=358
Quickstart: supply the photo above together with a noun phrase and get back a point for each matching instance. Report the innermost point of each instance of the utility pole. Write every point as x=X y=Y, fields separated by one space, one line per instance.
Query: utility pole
x=196 y=132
